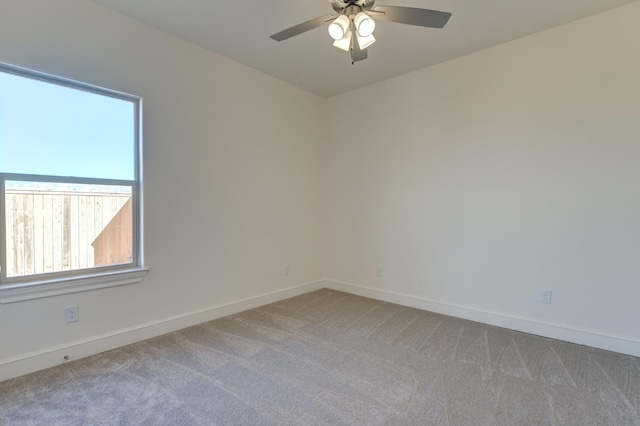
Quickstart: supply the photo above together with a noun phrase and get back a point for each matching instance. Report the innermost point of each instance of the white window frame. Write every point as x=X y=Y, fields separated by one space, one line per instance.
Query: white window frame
x=15 y=289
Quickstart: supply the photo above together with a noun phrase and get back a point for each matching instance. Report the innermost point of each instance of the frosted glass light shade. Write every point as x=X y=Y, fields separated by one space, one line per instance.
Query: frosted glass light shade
x=365 y=42
x=339 y=27
x=364 y=24
x=345 y=42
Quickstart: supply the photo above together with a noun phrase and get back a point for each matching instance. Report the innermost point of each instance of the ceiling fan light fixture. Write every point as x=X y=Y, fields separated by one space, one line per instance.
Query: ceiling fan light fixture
x=339 y=27
x=345 y=42
x=354 y=24
x=364 y=24
x=365 y=42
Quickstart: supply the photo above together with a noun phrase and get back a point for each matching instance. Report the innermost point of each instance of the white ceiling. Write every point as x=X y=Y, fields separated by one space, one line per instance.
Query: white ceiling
x=240 y=30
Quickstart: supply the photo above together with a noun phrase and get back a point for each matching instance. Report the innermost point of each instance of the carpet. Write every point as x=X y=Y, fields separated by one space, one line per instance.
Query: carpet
x=331 y=358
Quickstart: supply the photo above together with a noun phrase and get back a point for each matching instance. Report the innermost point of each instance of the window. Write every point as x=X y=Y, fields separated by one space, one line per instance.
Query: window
x=69 y=185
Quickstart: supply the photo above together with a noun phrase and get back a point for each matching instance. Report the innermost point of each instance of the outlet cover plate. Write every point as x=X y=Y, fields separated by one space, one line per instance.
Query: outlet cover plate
x=71 y=314
x=545 y=295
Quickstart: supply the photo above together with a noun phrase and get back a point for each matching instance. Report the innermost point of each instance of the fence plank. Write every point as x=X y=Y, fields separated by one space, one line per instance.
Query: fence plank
x=83 y=243
x=28 y=233
x=38 y=234
x=11 y=246
x=98 y=221
x=66 y=233
x=48 y=245
x=73 y=233
x=18 y=236
x=91 y=214
x=58 y=225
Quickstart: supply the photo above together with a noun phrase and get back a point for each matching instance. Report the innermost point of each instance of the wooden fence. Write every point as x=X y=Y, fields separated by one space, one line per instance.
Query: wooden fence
x=54 y=231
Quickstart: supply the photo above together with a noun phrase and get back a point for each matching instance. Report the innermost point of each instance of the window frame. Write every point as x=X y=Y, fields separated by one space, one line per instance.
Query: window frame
x=14 y=289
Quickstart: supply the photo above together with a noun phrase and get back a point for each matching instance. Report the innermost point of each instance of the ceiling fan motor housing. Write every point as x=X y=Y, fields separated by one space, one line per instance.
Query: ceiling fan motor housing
x=341 y=6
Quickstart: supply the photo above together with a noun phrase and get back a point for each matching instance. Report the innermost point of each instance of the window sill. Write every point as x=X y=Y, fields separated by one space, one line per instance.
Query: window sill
x=47 y=288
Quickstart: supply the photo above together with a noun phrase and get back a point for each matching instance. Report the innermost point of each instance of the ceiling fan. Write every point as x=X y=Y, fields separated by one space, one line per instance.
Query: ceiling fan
x=352 y=29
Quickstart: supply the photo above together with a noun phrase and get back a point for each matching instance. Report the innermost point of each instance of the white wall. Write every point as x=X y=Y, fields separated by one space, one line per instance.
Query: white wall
x=232 y=172
x=477 y=182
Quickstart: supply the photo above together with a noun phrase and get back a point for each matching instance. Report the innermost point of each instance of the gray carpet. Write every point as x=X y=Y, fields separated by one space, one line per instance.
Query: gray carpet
x=329 y=358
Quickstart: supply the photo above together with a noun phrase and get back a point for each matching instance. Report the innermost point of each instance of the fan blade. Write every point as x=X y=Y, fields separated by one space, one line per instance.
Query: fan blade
x=301 y=28
x=358 y=54
x=413 y=16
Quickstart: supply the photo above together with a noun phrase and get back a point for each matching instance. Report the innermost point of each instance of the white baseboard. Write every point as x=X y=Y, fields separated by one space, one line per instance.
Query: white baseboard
x=597 y=339
x=49 y=357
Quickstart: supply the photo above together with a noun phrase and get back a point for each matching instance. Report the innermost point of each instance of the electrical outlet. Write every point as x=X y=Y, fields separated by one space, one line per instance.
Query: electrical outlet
x=71 y=314
x=378 y=271
x=286 y=270
x=545 y=295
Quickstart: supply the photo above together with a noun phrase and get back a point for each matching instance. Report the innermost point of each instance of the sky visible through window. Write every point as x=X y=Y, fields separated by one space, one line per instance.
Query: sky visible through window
x=49 y=129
